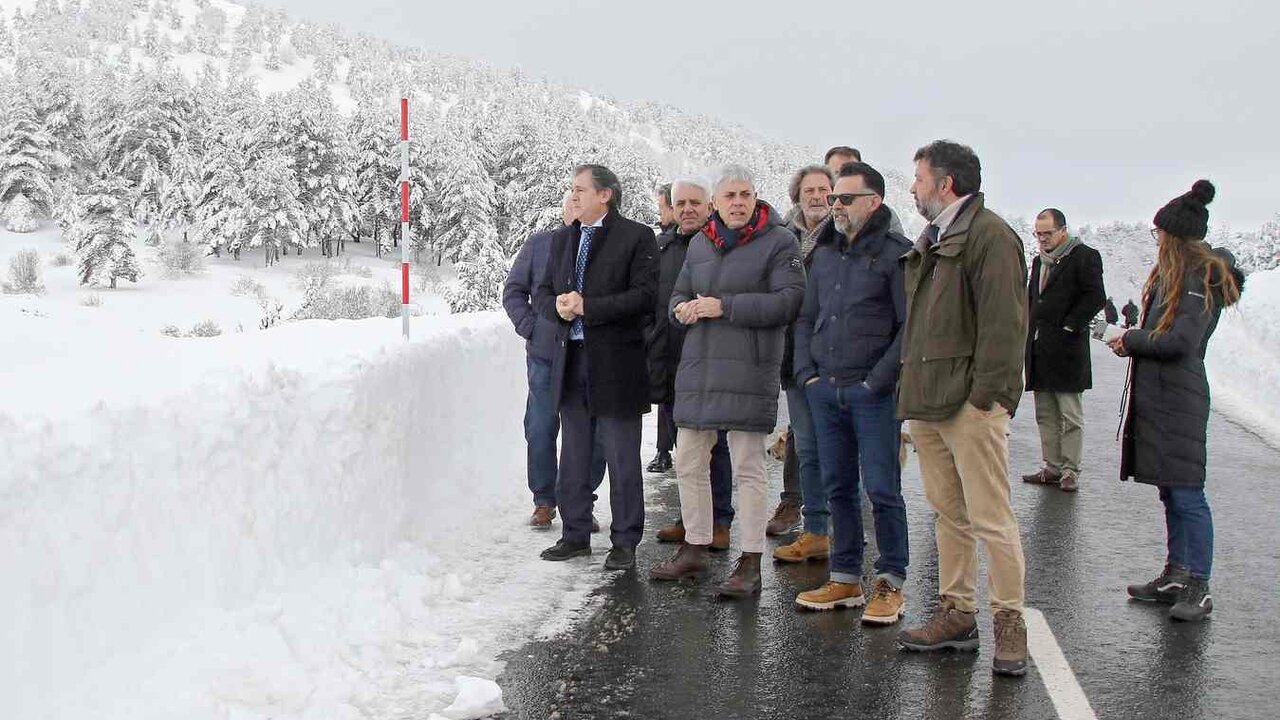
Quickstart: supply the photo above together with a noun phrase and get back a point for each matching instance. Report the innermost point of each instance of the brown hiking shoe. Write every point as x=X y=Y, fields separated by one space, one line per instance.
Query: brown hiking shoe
x=690 y=561
x=542 y=517
x=806 y=547
x=885 y=606
x=720 y=538
x=673 y=533
x=831 y=596
x=1043 y=476
x=948 y=628
x=1011 y=644
x=1069 y=482
x=744 y=581
x=785 y=517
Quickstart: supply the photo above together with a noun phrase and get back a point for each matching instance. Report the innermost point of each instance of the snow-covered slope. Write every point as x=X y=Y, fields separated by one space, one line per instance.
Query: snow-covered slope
x=1244 y=358
x=315 y=522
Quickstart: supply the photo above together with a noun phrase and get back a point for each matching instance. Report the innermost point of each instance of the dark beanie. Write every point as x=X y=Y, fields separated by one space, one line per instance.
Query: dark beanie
x=1186 y=215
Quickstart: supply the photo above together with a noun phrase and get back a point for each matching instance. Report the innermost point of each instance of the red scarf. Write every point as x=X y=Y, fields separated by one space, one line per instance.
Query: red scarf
x=715 y=230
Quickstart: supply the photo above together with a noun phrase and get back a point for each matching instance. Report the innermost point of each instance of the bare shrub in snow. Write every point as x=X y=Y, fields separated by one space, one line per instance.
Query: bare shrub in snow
x=350 y=303
x=178 y=259
x=93 y=300
x=24 y=273
x=362 y=271
x=247 y=286
x=315 y=277
x=20 y=215
x=62 y=260
x=205 y=328
x=170 y=331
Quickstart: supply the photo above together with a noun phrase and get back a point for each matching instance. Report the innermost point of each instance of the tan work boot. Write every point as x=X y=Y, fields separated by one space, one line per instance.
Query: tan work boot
x=785 y=517
x=542 y=517
x=720 y=538
x=831 y=596
x=673 y=533
x=806 y=547
x=948 y=628
x=744 y=581
x=1044 y=476
x=690 y=561
x=886 y=605
x=1011 y=644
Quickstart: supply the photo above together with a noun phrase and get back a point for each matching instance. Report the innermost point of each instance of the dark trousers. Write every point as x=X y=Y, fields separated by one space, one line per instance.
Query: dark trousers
x=1189 y=525
x=541 y=426
x=667 y=428
x=620 y=437
x=858 y=436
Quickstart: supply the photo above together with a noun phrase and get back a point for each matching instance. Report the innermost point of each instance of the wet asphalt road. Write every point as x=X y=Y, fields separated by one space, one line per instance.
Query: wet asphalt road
x=674 y=651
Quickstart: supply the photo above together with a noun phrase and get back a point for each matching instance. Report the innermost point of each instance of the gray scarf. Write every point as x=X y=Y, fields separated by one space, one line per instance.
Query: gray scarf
x=1048 y=260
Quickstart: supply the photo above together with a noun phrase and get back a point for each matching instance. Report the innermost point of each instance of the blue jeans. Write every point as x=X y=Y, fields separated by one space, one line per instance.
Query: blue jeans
x=1190 y=528
x=541 y=426
x=813 y=495
x=858 y=434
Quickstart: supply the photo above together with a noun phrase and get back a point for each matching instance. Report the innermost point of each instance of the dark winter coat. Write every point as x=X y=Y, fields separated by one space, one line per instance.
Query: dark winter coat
x=1167 y=409
x=966 y=318
x=729 y=366
x=1130 y=312
x=526 y=272
x=665 y=337
x=1111 y=315
x=788 y=370
x=619 y=288
x=1058 y=332
x=850 y=325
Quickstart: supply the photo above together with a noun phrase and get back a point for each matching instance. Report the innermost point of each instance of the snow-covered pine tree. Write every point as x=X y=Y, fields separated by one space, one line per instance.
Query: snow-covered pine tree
x=157 y=115
x=210 y=26
x=310 y=132
x=375 y=166
x=273 y=217
x=466 y=199
x=101 y=231
x=20 y=215
x=235 y=118
x=482 y=270
x=27 y=158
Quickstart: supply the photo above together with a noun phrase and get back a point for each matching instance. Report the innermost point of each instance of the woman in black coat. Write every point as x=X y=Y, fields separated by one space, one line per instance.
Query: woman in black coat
x=1167 y=409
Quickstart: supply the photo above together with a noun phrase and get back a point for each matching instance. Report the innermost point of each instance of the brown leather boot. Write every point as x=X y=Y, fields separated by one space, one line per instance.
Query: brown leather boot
x=542 y=517
x=1011 y=644
x=673 y=533
x=720 y=538
x=1044 y=476
x=744 y=581
x=948 y=628
x=785 y=517
x=690 y=561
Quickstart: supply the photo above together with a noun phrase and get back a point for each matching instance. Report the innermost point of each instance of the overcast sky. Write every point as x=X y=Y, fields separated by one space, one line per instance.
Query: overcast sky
x=1104 y=109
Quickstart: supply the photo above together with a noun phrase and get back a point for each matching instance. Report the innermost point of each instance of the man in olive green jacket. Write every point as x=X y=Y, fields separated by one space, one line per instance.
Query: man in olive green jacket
x=962 y=355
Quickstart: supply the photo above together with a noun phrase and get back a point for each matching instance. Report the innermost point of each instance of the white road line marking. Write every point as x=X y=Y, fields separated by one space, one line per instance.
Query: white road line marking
x=1067 y=696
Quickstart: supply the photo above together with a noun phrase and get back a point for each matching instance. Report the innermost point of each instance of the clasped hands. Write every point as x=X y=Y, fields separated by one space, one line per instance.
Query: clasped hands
x=1117 y=345
x=691 y=311
x=569 y=305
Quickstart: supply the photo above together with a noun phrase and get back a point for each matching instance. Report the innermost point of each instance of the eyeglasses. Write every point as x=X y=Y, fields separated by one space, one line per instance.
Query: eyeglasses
x=1045 y=234
x=1155 y=233
x=848 y=198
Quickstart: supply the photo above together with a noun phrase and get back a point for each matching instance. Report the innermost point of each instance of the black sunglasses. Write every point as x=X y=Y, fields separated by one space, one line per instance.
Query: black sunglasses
x=848 y=198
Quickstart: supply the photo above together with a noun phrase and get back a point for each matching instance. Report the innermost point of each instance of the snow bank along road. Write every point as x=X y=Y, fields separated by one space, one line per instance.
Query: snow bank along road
x=321 y=521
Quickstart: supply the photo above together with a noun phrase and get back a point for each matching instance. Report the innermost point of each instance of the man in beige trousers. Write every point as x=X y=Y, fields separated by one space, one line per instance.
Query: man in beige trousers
x=960 y=384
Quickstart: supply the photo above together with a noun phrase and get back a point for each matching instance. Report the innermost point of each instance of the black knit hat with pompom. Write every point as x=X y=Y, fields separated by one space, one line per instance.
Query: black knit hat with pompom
x=1186 y=215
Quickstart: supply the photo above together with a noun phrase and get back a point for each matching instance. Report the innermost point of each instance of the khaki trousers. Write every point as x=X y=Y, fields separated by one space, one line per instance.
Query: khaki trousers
x=1061 y=420
x=693 y=471
x=964 y=463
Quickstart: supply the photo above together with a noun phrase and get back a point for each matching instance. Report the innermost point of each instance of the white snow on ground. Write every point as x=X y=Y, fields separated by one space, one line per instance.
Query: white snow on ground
x=1244 y=358
x=318 y=521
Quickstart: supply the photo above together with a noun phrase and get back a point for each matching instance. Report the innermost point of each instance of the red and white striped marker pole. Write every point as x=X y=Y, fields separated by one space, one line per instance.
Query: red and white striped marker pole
x=404 y=215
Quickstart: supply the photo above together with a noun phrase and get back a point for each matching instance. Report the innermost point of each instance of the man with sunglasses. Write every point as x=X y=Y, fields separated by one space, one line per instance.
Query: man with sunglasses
x=1064 y=294
x=847 y=354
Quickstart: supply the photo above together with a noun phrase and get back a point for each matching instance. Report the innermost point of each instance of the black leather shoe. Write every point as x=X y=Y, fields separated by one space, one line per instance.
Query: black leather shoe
x=565 y=550
x=620 y=557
